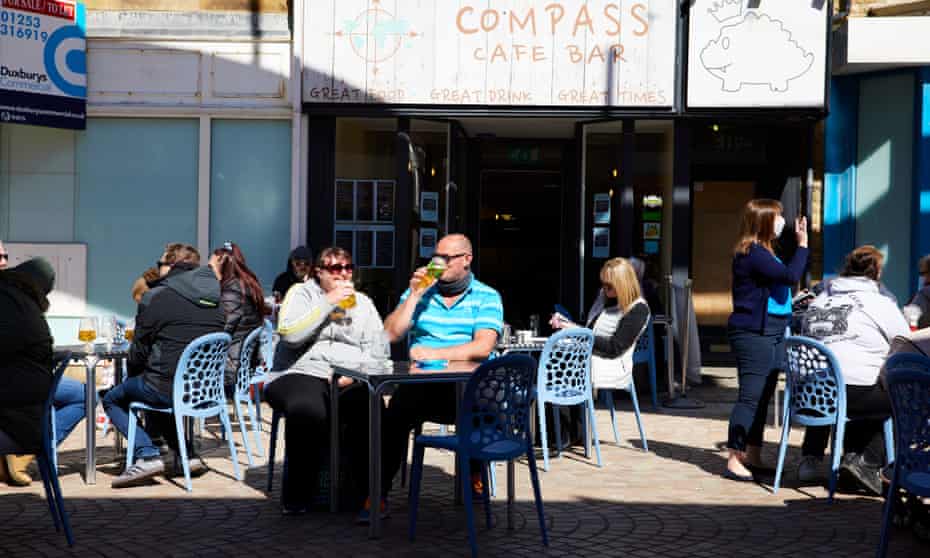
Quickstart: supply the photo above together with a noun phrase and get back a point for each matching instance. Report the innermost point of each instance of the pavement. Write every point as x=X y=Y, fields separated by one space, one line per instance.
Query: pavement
x=669 y=502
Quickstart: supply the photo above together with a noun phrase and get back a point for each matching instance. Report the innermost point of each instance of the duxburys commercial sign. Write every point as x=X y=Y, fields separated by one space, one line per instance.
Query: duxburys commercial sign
x=43 y=74
x=506 y=52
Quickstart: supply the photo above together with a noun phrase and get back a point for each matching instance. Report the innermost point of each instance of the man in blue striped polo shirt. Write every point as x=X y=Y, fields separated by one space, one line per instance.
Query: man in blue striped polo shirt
x=456 y=318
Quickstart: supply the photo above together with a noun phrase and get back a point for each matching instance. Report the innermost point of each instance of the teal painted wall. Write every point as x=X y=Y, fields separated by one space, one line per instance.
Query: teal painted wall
x=884 y=173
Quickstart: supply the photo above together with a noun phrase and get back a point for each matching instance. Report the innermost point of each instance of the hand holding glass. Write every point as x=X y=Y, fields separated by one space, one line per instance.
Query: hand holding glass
x=435 y=269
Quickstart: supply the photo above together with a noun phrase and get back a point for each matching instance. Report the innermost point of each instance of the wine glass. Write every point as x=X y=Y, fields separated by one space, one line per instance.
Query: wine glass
x=87 y=332
x=107 y=331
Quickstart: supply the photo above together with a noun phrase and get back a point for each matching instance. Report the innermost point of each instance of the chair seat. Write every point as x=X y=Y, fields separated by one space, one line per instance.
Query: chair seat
x=495 y=451
x=810 y=420
x=138 y=405
x=917 y=483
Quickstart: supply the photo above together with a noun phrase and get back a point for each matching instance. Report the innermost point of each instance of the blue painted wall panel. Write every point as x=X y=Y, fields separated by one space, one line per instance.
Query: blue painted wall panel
x=839 y=235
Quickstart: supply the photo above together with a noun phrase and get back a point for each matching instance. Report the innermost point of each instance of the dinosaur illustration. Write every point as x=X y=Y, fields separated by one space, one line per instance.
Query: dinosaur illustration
x=756 y=50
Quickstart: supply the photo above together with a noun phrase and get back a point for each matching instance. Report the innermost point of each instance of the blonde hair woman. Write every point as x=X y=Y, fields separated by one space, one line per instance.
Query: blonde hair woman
x=756 y=328
x=618 y=317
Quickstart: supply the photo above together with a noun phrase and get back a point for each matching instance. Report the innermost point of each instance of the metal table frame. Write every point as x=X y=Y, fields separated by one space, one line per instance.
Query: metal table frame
x=377 y=383
x=118 y=353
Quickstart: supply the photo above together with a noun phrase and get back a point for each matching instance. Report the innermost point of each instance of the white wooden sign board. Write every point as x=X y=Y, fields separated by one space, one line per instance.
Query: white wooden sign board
x=757 y=53
x=478 y=52
x=70 y=263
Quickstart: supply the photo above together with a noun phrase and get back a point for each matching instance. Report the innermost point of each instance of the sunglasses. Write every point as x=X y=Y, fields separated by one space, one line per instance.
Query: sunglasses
x=4 y=256
x=450 y=257
x=336 y=268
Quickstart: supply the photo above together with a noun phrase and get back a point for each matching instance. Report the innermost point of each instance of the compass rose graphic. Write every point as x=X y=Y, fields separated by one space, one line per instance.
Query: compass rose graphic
x=375 y=35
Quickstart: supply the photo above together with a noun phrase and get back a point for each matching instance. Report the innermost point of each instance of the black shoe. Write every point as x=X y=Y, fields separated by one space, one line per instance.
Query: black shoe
x=867 y=477
x=728 y=474
x=293 y=509
x=760 y=470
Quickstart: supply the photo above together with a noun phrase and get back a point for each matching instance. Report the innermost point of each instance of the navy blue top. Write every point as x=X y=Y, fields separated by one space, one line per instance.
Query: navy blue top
x=754 y=276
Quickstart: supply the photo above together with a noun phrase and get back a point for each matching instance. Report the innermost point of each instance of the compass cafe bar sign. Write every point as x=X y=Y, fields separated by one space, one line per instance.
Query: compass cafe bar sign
x=505 y=52
x=43 y=74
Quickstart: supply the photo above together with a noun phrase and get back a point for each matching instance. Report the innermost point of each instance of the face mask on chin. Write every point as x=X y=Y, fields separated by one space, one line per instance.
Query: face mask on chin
x=779 y=226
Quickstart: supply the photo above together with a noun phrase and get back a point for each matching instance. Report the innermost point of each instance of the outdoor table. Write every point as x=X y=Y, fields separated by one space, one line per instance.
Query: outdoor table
x=118 y=352
x=535 y=345
x=378 y=377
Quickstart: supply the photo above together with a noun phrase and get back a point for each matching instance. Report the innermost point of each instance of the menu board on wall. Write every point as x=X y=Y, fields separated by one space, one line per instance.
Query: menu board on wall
x=747 y=53
x=506 y=52
x=43 y=69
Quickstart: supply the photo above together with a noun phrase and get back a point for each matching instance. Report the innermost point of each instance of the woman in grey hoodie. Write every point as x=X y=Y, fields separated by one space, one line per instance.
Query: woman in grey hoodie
x=320 y=326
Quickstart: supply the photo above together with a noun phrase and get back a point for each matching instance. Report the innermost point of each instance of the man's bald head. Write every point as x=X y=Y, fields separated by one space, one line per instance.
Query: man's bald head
x=454 y=244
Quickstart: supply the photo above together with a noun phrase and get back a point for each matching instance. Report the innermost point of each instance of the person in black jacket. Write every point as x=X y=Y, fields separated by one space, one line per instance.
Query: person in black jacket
x=25 y=359
x=921 y=299
x=242 y=301
x=298 y=269
x=184 y=306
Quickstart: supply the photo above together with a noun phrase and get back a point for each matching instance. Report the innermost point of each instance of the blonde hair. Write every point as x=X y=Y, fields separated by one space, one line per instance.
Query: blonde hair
x=619 y=274
x=757 y=225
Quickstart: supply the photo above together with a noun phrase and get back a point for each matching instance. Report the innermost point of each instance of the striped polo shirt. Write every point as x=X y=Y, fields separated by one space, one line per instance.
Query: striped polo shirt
x=435 y=325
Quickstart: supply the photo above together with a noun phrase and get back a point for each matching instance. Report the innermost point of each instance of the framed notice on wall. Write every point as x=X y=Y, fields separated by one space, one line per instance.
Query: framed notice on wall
x=43 y=68
x=602 y=209
x=601 y=247
x=752 y=53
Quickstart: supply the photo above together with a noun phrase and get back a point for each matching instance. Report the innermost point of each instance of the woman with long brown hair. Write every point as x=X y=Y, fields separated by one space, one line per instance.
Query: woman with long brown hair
x=242 y=300
x=756 y=328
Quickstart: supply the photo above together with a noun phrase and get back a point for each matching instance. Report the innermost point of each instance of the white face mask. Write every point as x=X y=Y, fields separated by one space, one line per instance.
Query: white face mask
x=779 y=225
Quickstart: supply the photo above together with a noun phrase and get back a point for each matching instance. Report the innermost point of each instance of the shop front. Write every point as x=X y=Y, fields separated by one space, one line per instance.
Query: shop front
x=555 y=134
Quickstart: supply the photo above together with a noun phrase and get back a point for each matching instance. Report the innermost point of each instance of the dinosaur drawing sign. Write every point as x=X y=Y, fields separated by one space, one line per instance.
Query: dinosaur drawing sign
x=757 y=53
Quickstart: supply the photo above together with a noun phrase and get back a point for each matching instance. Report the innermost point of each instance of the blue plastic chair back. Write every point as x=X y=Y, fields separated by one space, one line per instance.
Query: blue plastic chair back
x=815 y=389
x=643 y=353
x=198 y=381
x=246 y=370
x=565 y=367
x=267 y=347
x=908 y=377
x=495 y=415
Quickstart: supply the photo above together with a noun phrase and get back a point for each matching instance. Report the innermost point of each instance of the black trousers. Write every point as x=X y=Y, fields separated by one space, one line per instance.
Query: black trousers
x=411 y=406
x=306 y=402
x=863 y=436
x=759 y=357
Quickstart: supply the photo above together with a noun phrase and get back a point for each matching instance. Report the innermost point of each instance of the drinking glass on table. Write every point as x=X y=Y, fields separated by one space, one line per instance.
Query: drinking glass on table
x=87 y=332
x=107 y=329
x=130 y=330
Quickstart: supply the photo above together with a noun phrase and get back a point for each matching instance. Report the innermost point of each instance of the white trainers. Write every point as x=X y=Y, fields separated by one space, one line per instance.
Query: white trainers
x=139 y=473
x=810 y=469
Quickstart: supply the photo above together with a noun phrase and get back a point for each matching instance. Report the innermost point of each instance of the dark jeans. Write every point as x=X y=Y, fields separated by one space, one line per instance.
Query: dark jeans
x=759 y=357
x=411 y=406
x=69 y=407
x=306 y=402
x=863 y=436
x=116 y=404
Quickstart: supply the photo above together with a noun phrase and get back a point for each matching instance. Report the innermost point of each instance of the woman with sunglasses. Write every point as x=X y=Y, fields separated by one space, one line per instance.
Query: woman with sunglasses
x=243 y=304
x=322 y=321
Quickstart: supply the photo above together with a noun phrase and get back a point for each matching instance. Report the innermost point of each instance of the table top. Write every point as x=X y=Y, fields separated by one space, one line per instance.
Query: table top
x=100 y=350
x=402 y=371
x=534 y=344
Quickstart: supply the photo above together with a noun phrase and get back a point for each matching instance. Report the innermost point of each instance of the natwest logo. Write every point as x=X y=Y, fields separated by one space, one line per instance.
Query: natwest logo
x=64 y=9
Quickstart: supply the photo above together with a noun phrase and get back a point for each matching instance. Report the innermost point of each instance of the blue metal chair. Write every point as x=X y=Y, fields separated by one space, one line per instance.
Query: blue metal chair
x=908 y=377
x=564 y=378
x=198 y=393
x=815 y=395
x=49 y=473
x=645 y=353
x=493 y=425
x=243 y=392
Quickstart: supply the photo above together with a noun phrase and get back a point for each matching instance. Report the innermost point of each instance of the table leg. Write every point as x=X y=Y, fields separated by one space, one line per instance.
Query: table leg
x=118 y=365
x=90 y=415
x=374 y=459
x=459 y=485
x=511 y=488
x=334 y=445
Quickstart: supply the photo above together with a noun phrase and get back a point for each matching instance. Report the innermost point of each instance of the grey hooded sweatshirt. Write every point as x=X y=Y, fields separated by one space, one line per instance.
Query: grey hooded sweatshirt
x=315 y=334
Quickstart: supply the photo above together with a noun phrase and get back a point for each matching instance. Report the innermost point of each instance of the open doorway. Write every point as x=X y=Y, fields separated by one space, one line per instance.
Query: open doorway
x=520 y=240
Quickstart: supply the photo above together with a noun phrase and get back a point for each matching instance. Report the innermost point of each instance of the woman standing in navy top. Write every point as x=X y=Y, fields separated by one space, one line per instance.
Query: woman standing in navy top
x=761 y=312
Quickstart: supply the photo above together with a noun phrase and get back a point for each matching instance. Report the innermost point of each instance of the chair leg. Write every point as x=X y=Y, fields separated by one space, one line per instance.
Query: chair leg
x=182 y=449
x=492 y=474
x=244 y=430
x=886 y=517
x=593 y=429
x=782 y=450
x=609 y=399
x=49 y=494
x=464 y=465
x=224 y=419
x=586 y=424
x=416 y=472
x=838 y=433
x=486 y=493
x=255 y=419
x=60 y=504
x=639 y=417
x=653 y=382
x=557 y=425
x=275 y=417
x=889 y=441
x=54 y=445
x=534 y=478
x=131 y=438
x=544 y=440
